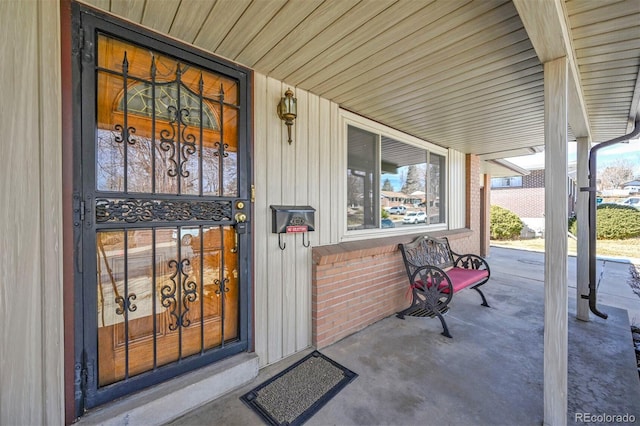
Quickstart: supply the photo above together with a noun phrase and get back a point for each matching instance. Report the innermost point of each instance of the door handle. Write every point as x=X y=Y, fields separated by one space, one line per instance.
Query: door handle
x=240 y=227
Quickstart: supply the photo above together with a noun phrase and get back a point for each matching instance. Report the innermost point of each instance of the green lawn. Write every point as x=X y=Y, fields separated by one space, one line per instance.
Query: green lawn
x=623 y=248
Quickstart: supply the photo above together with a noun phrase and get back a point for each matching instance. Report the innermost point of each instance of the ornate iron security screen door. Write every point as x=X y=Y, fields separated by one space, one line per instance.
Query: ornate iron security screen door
x=164 y=188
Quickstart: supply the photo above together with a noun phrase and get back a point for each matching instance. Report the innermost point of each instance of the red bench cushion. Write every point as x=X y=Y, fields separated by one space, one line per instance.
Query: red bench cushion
x=461 y=278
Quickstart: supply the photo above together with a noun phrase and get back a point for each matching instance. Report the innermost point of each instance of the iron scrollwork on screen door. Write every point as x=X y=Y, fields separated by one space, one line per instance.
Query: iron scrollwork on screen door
x=178 y=294
x=137 y=210
x=125 y=304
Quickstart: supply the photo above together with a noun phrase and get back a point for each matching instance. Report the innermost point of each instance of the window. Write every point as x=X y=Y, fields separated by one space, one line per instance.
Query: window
x=140 y=99
x=390 y=180
x=507 y=182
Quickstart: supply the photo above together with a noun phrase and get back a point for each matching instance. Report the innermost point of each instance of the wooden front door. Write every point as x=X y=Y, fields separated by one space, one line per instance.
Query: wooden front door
x=163 y=191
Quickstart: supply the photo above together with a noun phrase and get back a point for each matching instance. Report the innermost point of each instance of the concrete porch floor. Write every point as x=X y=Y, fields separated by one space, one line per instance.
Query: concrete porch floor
x=490 y=373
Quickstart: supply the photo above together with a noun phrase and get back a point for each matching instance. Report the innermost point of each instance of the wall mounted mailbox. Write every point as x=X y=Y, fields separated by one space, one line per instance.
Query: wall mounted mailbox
x=292 y=219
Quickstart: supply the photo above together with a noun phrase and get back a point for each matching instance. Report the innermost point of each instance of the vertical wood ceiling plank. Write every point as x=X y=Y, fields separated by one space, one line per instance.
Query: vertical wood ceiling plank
x=580 y=6
x=100 y=4
x=341 y=28
x=485 y=82
x=130 y=9
x=288 y=18
x=221 y=19
x=394 y=16
x=323 y=16
x=628 y=21
x=159 y=14
x=441 y=48
x=415 y=31
x=190 y=18
x=254 y=18
x=608 y=11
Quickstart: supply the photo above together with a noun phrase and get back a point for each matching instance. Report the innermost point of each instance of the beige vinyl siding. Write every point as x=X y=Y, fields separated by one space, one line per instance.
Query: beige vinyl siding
x=31 y=348
x=303 y=173
x=456 y=205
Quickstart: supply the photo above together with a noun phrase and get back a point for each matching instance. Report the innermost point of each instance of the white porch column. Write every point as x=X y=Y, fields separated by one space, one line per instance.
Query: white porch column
x=582 y=214
x=555 y=273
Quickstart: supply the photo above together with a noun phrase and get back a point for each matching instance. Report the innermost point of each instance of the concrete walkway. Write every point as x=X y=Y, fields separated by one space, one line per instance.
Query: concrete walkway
x=490 y=373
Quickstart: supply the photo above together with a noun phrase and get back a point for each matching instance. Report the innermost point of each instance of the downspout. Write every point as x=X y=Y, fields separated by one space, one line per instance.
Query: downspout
x=592 y=214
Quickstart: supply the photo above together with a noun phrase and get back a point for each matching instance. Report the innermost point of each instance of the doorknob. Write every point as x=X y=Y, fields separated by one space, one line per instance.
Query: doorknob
x=241 y=217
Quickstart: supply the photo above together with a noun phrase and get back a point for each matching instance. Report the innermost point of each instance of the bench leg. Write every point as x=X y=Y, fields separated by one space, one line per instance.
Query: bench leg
x=445 y=329
x=484 y=300
x=436 y=312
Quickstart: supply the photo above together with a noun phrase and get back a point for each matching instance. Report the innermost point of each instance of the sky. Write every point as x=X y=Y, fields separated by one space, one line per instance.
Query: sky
x=606 y=156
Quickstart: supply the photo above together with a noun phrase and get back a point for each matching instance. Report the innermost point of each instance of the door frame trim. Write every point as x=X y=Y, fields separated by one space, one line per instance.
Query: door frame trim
x=68 y=291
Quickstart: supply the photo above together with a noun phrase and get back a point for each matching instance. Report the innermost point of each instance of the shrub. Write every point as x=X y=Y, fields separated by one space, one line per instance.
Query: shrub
x=384 y=214
x=504 y=224
x=614 y=222
x=573 y=225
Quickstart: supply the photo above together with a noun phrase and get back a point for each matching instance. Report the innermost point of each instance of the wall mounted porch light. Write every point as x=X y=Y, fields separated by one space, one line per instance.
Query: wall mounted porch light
x=287 y=110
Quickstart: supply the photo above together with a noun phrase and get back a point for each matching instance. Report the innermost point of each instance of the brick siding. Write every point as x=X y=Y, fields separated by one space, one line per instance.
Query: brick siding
x=472 y=177
x=528 y=201
x=524 y=202
x=535 y=179
x=354 y=289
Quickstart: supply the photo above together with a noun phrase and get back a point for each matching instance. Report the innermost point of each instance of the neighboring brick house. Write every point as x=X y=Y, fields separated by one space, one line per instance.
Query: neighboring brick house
x=524 y=195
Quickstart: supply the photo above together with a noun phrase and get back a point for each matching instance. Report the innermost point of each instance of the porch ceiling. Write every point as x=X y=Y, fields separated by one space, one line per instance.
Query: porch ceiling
x=461 y=74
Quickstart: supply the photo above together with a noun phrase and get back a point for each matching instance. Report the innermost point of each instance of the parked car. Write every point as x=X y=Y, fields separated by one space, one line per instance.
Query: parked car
x=387 y=223
x=631 y=201
x=415 y=217
x=397 y=210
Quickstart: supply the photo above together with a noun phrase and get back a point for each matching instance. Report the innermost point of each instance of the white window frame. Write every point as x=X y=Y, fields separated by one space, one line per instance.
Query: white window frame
x=348 y=118
x=507 y=179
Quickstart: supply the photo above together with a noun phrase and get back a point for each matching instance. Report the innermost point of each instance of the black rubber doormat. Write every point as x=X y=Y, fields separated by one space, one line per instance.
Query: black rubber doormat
x=297 y=393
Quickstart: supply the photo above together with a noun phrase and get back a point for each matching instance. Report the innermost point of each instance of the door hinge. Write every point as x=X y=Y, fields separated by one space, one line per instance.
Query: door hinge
x=84 y=378
x=78 y=41
x=82 y=46
x=253 y=193
x=78 y=209
x=81 y=381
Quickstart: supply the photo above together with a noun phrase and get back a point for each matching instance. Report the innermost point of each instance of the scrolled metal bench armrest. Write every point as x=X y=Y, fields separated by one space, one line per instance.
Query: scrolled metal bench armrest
x=432 y=286
x=469 y=261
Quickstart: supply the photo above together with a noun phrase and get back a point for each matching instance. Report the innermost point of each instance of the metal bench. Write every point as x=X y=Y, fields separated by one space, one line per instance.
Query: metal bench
x=436 y=273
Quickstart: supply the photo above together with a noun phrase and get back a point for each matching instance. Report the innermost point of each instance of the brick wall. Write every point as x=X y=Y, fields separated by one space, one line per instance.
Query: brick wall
x=535 y=179
x=525 y=202
x=473 y=205
x=528 y=201
x=355 y=287
x=485 y=215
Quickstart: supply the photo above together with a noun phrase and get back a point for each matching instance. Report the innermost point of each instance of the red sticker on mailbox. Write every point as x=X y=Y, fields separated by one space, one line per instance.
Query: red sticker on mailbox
x=298 y=228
